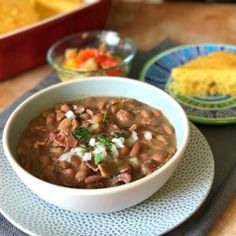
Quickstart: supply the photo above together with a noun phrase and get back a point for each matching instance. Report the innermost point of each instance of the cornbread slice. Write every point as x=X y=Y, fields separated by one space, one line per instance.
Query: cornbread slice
x=212 y=74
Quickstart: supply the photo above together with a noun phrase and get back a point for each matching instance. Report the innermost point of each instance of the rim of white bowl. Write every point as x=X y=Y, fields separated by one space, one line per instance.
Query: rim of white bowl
x=99 y=191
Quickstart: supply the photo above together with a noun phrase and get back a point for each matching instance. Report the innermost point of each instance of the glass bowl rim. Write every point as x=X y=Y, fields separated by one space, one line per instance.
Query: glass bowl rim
x=124 y=61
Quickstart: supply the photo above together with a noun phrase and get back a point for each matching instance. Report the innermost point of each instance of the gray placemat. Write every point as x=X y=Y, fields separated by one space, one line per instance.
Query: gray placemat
x=221 y=140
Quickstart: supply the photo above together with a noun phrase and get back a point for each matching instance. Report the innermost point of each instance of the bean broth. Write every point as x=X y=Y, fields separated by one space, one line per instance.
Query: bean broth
x=96 y=142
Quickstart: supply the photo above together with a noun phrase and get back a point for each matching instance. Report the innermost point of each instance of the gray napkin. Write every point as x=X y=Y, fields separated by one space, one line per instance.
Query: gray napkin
x=221 y=140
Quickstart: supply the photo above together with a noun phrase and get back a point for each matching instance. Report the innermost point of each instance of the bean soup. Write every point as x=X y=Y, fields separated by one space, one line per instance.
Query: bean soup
x=96 y=142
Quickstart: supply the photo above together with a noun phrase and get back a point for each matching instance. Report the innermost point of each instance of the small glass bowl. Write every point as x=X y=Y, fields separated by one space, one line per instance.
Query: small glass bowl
x=119 y=46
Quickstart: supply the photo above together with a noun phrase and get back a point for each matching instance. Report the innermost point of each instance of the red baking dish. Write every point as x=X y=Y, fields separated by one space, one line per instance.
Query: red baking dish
x=26 y=48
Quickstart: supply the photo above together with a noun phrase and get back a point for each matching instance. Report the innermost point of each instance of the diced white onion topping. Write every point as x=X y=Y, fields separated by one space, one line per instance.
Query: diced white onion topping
x=92 y=142
x=147 y=135
x=100 y=149
x=133 y=138
x=87 y=156
x=114 y=151
x=118 y=142
x=66 y=157
x=80 y=151
x=70 y=114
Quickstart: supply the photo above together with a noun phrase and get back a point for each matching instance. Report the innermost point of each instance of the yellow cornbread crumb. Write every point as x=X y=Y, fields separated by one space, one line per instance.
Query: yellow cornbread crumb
x=212 y=74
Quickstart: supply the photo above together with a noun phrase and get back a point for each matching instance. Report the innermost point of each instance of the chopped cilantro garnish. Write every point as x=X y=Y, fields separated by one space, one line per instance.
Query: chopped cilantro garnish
x=98 y=158
x=105 y=141
x=119 y=135
x=82 y=133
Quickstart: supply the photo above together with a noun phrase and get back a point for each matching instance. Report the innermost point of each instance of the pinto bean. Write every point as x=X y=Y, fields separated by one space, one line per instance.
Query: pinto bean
x=81 y=175
x=64 y=124
x=157 y=142
x=89 y=112
x=60 y=115
x=49 y=173
x=64 y=164
x=148 y=121
x=156 y=113
x=83 y=166
x=159 y=156
x=135 y=150
x=65 y=107
x=162 y=139
x=68 y=177
x=75 y=162
x=124 y=118
x=123 y=152
x=98 y=118
x=56 y=150
x=51 y=119
x=168 y=129
x=44 y=161
x=146 y=114
x=69 y=173
x=114 y=108
x=149 y=166
x=92 y=179
x=84 y=116
x=79 y=110
x=101 y=105
x=104 y=170
x=144 y=157
x=75 y=124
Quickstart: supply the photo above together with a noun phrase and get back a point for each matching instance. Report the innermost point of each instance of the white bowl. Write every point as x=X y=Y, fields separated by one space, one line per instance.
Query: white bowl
x=105 y=199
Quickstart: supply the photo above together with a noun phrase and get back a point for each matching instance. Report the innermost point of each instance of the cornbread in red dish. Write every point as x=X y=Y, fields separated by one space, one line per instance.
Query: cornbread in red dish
x=26 y=48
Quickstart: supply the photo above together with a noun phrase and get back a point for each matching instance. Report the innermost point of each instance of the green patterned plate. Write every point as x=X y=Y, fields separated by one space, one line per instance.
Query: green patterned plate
x=215 y=110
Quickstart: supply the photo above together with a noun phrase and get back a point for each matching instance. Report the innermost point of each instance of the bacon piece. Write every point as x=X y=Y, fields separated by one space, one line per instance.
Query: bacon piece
x=62 y=139
x=124 y=177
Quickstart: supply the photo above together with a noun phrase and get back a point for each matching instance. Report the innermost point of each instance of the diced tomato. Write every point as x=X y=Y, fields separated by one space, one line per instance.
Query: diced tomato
x=101 y=58
x=86 y=54
x=109 y=63
x=115 y=72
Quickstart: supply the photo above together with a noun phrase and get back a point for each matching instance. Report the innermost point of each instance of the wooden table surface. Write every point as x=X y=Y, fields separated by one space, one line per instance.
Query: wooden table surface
x=148 y=25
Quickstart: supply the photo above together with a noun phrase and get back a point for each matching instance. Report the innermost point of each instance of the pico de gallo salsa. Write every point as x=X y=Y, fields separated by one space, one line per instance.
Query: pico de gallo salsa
x=92 y=59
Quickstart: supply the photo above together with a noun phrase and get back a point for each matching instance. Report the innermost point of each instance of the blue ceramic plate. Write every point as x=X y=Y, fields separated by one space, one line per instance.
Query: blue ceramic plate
x=217 y=109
